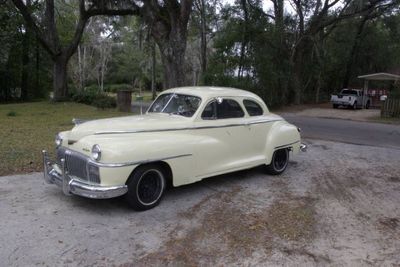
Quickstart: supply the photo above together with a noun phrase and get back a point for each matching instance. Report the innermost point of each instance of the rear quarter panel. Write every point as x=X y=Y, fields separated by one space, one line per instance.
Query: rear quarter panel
x=281 y=135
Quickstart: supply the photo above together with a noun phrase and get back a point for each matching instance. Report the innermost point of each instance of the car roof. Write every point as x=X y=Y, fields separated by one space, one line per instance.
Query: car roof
x=211 y=91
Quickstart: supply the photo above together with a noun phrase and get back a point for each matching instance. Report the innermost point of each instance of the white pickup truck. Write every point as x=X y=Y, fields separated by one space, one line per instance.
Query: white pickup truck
x=351 y=98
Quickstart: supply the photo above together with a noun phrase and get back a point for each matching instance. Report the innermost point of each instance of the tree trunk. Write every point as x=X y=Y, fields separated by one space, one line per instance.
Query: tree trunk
x=60 y=78
x=203 y=32
x=153 y=70
x=297 y=76
x=37 y=82
x=173 y=59
x=244 y=39
x=353 y=54
x=25 y=66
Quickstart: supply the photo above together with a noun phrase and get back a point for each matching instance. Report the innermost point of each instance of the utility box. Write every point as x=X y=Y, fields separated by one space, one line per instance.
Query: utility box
x=124 y=100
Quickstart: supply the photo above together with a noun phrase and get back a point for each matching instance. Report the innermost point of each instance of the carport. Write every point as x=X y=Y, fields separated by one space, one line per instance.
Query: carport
x=381 y=76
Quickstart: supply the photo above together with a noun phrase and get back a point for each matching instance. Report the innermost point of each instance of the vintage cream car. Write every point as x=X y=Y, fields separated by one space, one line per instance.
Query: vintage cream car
x=186 y=135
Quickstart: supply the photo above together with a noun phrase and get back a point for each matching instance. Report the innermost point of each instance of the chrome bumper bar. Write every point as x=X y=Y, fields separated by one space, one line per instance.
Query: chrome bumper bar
x=303 y=147
x=55 y=174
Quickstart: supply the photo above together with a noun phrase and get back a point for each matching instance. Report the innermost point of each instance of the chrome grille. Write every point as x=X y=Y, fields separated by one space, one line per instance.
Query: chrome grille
x=60 y=154
x=76 y=165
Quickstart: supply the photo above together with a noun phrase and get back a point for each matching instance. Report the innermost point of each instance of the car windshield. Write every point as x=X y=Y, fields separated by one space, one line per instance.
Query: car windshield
x=184 y=105
x=349 y=92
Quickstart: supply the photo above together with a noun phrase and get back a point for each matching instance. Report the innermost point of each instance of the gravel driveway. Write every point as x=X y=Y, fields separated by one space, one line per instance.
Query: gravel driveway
x=337 y=204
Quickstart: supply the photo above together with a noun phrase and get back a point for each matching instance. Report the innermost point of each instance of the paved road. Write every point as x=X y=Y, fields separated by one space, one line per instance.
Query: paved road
x=346 y=131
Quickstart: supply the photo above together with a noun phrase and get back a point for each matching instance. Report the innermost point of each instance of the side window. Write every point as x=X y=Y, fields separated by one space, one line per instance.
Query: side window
x=227 y=109
x=209 y=111
x=253 y=108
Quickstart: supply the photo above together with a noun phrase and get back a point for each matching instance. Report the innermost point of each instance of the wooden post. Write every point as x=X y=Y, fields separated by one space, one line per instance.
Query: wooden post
x=365 y=93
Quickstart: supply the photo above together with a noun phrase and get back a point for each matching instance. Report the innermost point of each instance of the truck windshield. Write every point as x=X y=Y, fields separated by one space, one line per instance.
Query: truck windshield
x=348 y=92
x=178 y=104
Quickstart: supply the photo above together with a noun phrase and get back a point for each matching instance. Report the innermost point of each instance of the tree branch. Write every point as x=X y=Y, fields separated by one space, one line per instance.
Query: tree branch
x=32 y=23
x=80 y=28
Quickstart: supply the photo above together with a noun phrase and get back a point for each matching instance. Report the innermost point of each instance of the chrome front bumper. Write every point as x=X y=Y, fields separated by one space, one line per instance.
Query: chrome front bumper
x=55 y=174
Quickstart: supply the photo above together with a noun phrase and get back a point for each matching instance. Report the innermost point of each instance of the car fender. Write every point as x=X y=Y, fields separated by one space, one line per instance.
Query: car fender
x=282 y=135
x=174 y=148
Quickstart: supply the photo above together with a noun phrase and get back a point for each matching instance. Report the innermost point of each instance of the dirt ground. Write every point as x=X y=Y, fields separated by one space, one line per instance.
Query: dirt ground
x=337 y=204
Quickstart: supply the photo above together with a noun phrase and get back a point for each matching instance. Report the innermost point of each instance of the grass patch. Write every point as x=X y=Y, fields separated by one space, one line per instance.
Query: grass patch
x=11 y=114
x=23 y=137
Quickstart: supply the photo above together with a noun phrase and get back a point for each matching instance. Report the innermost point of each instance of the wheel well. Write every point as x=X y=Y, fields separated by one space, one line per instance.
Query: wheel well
x=166 y=168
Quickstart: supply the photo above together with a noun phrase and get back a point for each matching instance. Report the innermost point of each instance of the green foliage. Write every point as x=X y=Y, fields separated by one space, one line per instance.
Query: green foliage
x=92 y=97
x=114 y=88
x=270 y=65
x=12 y=114
x=18 y=44
x=274 y=58
x=103 y=101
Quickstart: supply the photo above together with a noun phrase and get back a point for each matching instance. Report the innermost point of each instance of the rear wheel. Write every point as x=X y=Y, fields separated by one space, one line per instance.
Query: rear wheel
x=367 y=105
x=279 y=162
x=146 y=187
x=335 y=105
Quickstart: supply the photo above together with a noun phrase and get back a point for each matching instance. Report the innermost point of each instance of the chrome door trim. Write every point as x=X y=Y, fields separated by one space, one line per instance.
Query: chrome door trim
x=188 y=128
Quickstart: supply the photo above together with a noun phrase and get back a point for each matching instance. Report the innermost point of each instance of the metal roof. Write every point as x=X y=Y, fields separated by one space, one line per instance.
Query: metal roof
x=381 y=76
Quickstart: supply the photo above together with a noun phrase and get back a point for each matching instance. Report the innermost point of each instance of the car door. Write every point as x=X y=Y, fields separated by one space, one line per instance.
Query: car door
x=223 y=133
x=259 y=126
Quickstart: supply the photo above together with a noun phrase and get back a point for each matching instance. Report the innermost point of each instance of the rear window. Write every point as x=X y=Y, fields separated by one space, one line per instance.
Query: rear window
x=253 y=108
x=348 y=92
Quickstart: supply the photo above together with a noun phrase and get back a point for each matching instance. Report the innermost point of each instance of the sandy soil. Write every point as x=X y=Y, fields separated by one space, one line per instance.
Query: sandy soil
x=337 y=204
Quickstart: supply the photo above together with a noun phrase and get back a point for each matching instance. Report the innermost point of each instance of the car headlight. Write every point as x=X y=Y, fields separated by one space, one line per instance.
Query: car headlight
x=96 y=152
x=58 y=140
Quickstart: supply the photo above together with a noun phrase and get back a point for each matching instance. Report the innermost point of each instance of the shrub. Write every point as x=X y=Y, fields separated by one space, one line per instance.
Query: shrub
x=94 y=98
x=12 y=114
x=104 y=101
x=84 y=97
x=113 y=88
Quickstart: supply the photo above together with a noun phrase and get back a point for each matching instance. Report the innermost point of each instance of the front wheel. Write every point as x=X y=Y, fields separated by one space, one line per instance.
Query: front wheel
x=146 y=187
x=279 y=162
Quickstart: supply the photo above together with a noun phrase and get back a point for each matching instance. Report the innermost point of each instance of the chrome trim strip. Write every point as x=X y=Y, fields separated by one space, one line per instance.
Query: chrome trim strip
x=123 y=164
x=188 y=128
x=287 y=145
x=114 y=165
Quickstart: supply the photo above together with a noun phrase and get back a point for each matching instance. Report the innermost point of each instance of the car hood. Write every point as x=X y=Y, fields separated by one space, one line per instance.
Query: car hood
x=157 y=121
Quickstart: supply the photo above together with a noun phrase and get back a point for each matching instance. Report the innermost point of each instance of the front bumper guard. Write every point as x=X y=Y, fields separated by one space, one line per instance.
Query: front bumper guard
x=55 y=174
